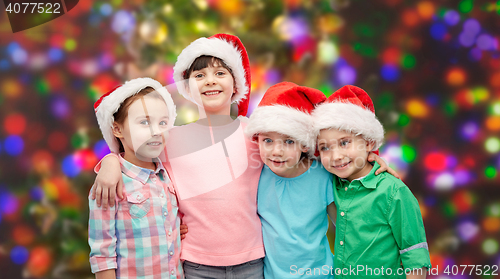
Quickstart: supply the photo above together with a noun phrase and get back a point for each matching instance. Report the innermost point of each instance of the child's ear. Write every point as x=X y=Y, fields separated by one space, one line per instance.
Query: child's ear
x=304 y=149
x=117 y=130
x=370 y=145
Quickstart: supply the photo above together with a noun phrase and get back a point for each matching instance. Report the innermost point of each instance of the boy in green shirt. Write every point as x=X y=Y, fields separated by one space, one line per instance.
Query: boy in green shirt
x=379 y=227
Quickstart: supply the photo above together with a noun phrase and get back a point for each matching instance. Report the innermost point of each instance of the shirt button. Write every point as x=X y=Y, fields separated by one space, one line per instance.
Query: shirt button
x=169 y=233
x=172 y=272
x=138 y=197
x=165 y=213
x=171 y=253
x=341 y=243
x=346 y=188
x=342 y=213
x=161 y=196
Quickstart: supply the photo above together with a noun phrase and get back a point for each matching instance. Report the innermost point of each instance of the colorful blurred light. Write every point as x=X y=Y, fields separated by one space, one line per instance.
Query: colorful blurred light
x=86 y=159
x=14 y=145
x=70 y=166
x=444 y=182
x=493 y=210
x=465 y=6
x=490 y=172
x=39 y=261
x=495 y=108
x=8 y=203
x=60 y=106
x=327 y=52
x=475 y=54
x=438 y=31
x=463 y=201
x=493 y=123
x=345 y=74
x=15 y=124
x=490 y=246
x=435 y=161
x=123 y=21
x=79 y=140
x=19 y=56
x=43 y=161
x=11 y=88
x=390 y=73
x=23 y=235
x=409 y=153
x=36 y=193
x=456 y=76
x=452 y=17
x=467 y=230
x=408 y=61
x=491 y=224
x=485 y=42
x=403 y=120
x=492 y=145
x=4 y=64
x=101 y=149
x=106 y=9
x=55 y=54
x=19 y=255
x=467 y=39
x=410 y=17
x=391 y=55
x=469 y=130
x=417 y=109
x=426 y=9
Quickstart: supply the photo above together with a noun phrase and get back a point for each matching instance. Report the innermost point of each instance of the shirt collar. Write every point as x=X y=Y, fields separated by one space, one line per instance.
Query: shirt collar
x=369 y=181
x=138 y=173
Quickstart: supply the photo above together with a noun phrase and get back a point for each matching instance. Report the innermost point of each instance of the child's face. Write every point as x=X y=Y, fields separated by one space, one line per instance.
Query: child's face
x=280 y=153
x=215 y=87
x=144 y=131
x=344 y=154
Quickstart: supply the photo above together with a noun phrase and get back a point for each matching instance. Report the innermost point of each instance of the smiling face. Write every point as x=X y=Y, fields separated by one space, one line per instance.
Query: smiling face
x=281 y=153
x=344 y=154
x=144 y=131
x=213 y=87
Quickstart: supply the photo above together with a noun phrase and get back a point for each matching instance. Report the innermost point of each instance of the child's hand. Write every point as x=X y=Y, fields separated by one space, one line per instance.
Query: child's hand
x=108 y=182
x=184 y=230
x=383 y=166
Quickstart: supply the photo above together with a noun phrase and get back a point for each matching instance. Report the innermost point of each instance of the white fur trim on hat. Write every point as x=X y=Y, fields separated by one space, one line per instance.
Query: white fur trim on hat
x=350 y=118
x=284 y=120
x=216 y=47
x=111 y=103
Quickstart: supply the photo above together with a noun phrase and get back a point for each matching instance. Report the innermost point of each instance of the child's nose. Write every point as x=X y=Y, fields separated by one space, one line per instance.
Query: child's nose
x=277 y=149
x=210 y=79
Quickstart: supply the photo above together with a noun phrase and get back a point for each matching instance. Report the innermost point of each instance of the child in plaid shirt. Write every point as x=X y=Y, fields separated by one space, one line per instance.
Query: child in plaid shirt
x=139 y=236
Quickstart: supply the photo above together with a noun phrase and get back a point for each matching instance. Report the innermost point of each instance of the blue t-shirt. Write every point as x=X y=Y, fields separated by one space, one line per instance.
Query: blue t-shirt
x=294 y=223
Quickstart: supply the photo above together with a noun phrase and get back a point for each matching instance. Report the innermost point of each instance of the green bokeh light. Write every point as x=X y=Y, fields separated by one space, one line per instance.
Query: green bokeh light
x=450 y=108
x=403 y=120
x=449 y=209
x=493 y=210
x=408 y=61
x=42 y=87
x=70 y=45
x=79 y=140
x=495 y=108
x=490 y=172
x=409 y=153
x=326 y=89
x=465 y=6
x=490 y=246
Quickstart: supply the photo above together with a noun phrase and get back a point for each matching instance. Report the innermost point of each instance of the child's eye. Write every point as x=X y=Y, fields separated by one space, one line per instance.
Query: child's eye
x=145 y=122
x=289 y=141
x=344 y=143
x=163 y=123
x=198 y=76
x=220 y=73
x=324 y=148
x=267 y=140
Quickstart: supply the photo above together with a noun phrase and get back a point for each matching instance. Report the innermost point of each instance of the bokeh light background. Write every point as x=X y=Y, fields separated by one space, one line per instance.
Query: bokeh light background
x=431 y=67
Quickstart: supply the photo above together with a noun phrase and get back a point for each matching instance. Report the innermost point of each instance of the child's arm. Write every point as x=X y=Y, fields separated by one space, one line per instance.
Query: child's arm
x=418 y=274
x=407 y=226
x=106 y=274
x=102 y=237
x=108 y=181
x=383 y=166
x=332 y=212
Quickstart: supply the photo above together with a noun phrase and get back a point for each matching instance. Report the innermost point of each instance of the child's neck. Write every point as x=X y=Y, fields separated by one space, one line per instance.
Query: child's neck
x=361 y=173
x=138 y=162
x=301 y=167
x=215 y=120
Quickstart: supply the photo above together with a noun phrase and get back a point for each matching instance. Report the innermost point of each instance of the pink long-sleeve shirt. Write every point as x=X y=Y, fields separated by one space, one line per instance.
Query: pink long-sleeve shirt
x=216 y=171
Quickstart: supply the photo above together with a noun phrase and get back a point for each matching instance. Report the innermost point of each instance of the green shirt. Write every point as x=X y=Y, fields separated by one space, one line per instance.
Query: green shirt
x=379 y=227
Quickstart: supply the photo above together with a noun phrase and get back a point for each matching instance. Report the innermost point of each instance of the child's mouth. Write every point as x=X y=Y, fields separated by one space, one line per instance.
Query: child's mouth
x=343 y=166
x=212 y=93
x=156 y=143
x=277 y=162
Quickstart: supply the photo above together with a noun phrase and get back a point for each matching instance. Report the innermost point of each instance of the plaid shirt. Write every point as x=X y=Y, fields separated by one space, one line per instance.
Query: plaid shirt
x=139 y=236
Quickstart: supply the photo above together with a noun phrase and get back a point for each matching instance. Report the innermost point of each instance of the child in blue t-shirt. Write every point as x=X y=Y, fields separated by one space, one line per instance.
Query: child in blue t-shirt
x=294 y=190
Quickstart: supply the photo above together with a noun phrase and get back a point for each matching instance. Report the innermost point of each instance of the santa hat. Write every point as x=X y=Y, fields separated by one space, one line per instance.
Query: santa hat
x=110 y=102
x=350 y=109
x=286 y=108
x=229 y=49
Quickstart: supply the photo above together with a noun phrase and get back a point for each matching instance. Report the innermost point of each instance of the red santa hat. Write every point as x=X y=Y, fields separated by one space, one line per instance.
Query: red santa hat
x=350 y=109
x=229 y=49
x=110 y=102
x=286 y=108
